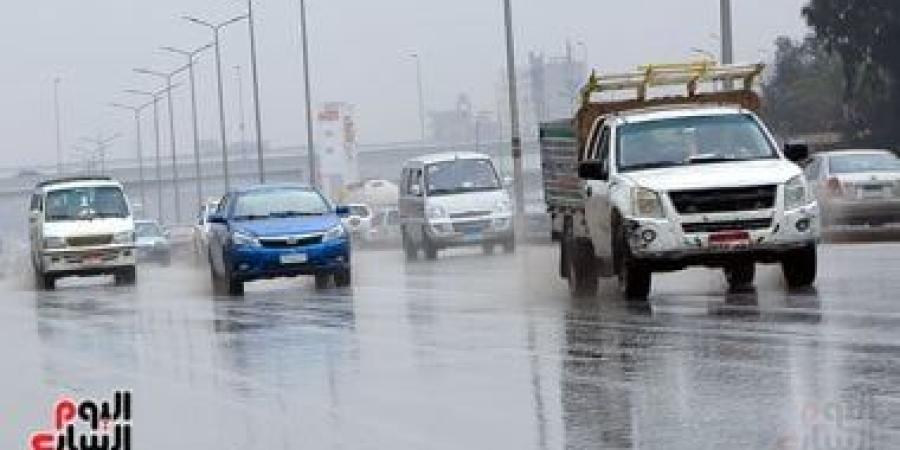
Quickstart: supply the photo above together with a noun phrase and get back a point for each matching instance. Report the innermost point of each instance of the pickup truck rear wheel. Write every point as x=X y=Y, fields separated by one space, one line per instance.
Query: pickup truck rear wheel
x=800 y=266
x=409 y=247
x=740 y=274
x=582 y=274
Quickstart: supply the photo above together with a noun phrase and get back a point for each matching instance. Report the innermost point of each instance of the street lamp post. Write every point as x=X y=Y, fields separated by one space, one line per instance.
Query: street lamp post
x=242 y=126
x=421 y=98
x=156 y=96
x=726 y=31
x=191 y=60
x=136 y=110
x=100 y=145
x=59 y=163
x=516 y=140
x=310 y=143
x=216 y=28
x=167 y=76
x=256 y=105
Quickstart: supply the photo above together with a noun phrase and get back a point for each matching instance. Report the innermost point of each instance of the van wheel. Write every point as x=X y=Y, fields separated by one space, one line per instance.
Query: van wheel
x=740 y=275
x=635 y=279
x=583 y=278
x=431 y=251
x=409 y=247
x=126 y=276
x=800 y=266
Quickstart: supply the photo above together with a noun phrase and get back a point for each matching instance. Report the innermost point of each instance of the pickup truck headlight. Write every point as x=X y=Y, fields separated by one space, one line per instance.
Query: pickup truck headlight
x=244 y=239
x=334 y=233
x=54 y=242
x=795 y=193
x=124 y=237
x=436 y=212
x=646 y=203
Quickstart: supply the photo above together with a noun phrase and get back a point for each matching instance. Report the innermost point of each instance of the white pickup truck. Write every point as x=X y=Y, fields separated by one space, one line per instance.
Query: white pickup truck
x=652 y=185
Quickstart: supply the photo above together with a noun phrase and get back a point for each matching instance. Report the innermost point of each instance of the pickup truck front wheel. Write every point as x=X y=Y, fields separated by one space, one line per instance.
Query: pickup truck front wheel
x=582 y=271
x=126 y=276
x=740 y=275
x=634 y=278
x=800 y=266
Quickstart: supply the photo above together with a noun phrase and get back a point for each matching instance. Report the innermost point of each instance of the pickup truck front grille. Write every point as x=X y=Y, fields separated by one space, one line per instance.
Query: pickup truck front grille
x=724 y=199
x=89 y=241
x=290 y=242
x=732 y=225
x=477 y=226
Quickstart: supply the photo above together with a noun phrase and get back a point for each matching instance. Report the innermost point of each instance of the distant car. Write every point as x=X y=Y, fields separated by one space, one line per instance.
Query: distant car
x=385 y=227
x=81 y=227
x=200 y=231
x=358 y=222
x=152 y=242
x=856 y=187
x=277 y=231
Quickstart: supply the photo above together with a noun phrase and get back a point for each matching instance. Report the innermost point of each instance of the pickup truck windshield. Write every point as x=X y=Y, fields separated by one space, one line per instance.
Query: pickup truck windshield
x=461 y=175
x=86 y=203
x=864 y=162
x=279 y=202
x=691 y=140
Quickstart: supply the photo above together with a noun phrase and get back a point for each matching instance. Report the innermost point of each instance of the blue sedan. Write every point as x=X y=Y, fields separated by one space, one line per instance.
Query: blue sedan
x=277 y=231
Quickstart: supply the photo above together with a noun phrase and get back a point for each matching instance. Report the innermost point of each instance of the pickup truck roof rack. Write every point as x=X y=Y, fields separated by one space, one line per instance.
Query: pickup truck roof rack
x=46 y=183
x=689 y=75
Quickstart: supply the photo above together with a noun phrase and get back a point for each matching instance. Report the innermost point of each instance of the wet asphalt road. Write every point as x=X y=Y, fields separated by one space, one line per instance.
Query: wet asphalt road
x=468 y=352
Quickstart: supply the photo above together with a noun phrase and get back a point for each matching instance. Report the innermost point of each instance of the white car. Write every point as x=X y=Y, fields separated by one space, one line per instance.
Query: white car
x=81 y=227
x=358 y=222
x=451 y=200
x=856 y=187
x=200 y=230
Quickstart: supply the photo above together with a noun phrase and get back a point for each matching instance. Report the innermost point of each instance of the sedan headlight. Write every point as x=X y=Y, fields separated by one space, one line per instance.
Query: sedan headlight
x=334 y=233
x=436 y=212
x=54 y=242
x=795 y=193
x=503 y=206
x=124 y=237
x=646 y=203
x=244 y=239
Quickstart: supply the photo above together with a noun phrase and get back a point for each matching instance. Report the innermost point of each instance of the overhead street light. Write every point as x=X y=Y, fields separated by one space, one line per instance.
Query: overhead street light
x=100 y=144
x=191 y=60
x=140 y=152
x=421 y=98
x=216 y=28
x=155 y=96
x=310 y=143
x=256 y=104
x=167 y=76
x=515 y=136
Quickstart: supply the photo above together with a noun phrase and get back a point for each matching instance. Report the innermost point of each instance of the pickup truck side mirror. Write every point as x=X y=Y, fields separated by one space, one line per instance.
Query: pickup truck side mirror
x=217 y=218
x=796 y=152
x=342 y=211
x=33 y=216
x=592 y=170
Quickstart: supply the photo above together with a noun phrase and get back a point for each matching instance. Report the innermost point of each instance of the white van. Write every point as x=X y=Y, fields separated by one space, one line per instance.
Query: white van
x=81 y=227
x=451 y=200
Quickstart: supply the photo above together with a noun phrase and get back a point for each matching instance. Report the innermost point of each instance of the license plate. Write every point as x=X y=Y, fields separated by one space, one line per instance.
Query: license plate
x=729 y=239
x=93 y=260
x=472 y=237
x=867 y=193
x=294 y=258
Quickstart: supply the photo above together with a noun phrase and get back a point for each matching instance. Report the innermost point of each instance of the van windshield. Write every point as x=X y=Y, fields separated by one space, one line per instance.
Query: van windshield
x=86 y=203
x=461 y=175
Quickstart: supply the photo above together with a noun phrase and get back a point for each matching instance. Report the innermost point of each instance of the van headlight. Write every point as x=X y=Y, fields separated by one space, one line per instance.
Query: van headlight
x=244 y=239
x=795 y=193
x=436 y=212
x=54 y=242
x=123 y=237
x=503 y=206
x=334 y=233
x=647 y=204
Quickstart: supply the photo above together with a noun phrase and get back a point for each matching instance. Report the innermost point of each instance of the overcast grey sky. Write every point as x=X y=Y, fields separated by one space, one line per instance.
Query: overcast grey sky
x=359 y=54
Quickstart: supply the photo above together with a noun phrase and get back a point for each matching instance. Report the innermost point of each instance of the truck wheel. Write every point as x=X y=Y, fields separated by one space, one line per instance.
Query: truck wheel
x=431 y=251
x=583 y=279
x=740 y=275
x=487 y=248
x=126 y=276
x=634 y=278
x=799 y=267
x=509 y=245
x=322 y=281
x=343 y=278
x=409 y=247
x=45 y=281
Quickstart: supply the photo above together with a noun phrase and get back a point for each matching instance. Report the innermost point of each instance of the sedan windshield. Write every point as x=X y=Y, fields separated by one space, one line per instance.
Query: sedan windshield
x=147 y=230
x=461 y=175
x=279 y=202
x=691 y=140
x=864 y=162
x=86 y=203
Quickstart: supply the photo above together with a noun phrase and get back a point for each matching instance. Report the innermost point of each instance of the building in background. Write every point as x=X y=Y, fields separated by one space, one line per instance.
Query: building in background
x=336 y=147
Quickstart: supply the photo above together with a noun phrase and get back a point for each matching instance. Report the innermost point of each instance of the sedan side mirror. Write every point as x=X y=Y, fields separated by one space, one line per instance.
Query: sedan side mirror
x=592 y=170
x=796 y=153
x=342 y=211
x=217 y=218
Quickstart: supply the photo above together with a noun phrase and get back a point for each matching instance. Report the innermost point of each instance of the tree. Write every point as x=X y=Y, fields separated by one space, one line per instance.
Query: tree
x=866 y=36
